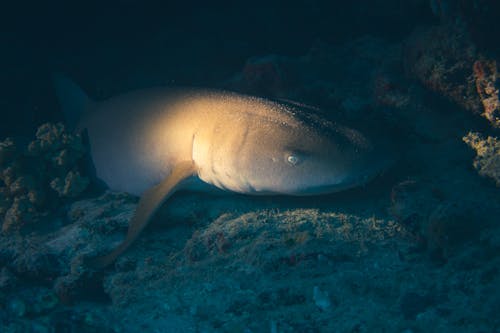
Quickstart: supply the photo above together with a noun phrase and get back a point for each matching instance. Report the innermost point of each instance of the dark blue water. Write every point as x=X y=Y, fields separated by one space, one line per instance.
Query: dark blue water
x=187 y=43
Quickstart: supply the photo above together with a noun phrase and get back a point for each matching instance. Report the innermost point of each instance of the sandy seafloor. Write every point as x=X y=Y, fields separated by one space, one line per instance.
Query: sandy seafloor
x=415 y=250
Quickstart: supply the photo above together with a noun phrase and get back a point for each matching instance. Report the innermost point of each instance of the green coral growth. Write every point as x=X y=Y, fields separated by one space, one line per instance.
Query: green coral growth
x=36 y=176
x=487 y=160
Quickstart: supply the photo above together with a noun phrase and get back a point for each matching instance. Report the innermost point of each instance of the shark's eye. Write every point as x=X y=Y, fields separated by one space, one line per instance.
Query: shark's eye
x=293 y=159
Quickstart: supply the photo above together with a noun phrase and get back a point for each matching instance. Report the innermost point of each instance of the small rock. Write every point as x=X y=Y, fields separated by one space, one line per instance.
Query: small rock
x=412 y=304
x=17 y=307
x=321 y=299
x=44 y=301
x=37 y=327
x=274 y=326
x=7 y=279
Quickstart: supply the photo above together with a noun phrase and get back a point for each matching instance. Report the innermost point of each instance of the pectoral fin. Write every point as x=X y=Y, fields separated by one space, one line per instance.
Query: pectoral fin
x=149 y=203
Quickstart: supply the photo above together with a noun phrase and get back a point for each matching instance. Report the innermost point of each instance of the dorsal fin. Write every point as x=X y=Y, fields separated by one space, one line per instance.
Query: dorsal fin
x=72 y=99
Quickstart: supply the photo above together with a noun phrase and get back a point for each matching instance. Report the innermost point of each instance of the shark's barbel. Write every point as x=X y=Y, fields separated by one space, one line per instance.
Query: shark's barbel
x=154 y=142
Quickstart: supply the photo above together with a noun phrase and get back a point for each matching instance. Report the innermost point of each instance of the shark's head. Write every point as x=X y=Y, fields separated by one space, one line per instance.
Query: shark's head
x=309 y=159
x=296 y=154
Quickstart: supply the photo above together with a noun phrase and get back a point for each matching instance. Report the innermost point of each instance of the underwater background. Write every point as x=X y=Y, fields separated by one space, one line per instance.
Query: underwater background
x=415 y=250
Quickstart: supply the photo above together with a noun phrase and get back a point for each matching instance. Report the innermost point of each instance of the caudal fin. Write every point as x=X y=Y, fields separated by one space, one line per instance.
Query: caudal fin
x=72 y=99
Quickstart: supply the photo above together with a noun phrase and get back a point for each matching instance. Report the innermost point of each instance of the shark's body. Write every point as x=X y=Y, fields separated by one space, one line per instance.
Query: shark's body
x=154 y=142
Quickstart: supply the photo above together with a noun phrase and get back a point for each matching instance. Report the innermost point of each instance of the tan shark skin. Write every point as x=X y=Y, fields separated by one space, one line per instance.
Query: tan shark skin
x=158 y=141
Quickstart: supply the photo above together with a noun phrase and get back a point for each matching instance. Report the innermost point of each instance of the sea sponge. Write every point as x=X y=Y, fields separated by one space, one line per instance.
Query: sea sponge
x=487 y=160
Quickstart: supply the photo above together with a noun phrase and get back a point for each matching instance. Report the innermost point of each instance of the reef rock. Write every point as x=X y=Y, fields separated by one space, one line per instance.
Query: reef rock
x=487 y=160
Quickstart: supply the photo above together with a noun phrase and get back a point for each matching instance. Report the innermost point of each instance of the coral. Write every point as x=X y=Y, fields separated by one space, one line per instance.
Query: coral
x=57 y=145
x=442 y=59
x=38 y=175
x=20 y=213
x=487 y=160
x=7 y=150
x=446 y=60
x=328 y=76
x=488 y=87
x=72 y=185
